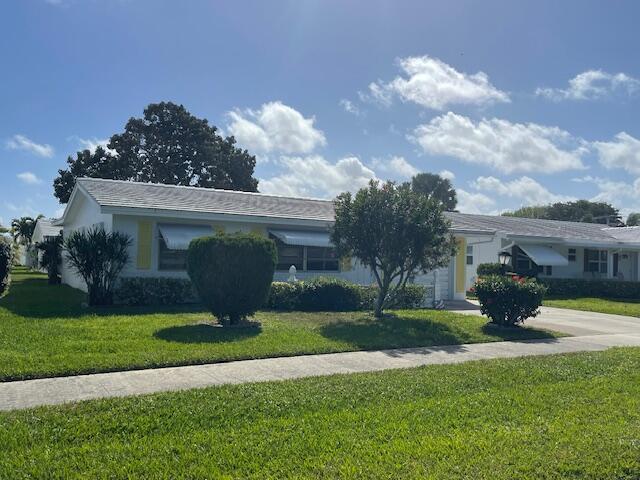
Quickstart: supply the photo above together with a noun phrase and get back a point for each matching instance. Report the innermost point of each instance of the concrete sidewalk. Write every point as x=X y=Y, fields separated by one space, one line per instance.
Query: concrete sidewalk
x=51 y=391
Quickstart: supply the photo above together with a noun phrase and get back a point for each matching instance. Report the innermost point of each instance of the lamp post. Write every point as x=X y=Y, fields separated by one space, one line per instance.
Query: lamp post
x=504 y=257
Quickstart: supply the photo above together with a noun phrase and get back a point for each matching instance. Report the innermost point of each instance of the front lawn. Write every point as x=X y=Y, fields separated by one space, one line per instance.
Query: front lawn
x=563 y=416
x=45 y=332
x=629 y=307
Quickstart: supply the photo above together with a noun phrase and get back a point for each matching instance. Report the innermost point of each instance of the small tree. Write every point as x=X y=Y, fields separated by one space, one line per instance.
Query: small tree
x=6 y=255
x=51 y=249
x=232 y=273
x=633 y=220
x=98 y=257
x=393 y=230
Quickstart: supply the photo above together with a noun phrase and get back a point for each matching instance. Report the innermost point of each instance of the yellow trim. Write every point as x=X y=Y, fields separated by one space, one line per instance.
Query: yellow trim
x=461 y=266
x=145 y=229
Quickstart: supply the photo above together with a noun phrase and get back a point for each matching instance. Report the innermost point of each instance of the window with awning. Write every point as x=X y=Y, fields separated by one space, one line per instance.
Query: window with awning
x=307 y=251
x=174 y=241
x=543 y=255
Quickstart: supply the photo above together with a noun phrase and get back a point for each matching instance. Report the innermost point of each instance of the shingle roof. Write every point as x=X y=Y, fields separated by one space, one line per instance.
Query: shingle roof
x=117 y=193
x=47 y=228
x=533 y=227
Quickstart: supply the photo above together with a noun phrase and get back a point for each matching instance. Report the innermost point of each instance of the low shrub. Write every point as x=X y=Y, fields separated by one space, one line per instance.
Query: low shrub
x=232 y=273
x=509 y=301
x=6 y=261
x=485 y=269
x=154 y=291
x=577 y=287
x=330 y=294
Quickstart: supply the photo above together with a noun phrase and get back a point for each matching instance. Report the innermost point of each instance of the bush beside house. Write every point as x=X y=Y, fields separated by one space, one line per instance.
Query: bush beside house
x=575 y=288
x=154 y=291
x=509 y=301
x=6 y=260
x=485 y=269
x=51 y=257
x=232 y=273
x=98 y=257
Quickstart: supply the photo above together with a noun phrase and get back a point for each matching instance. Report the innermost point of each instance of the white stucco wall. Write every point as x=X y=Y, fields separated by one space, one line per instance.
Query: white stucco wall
x=84 y=214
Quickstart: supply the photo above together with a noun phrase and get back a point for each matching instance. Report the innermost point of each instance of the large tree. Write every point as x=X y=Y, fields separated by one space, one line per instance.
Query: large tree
x=167 y=145
x=577 y=211
x=434 y=186
x=394 y=231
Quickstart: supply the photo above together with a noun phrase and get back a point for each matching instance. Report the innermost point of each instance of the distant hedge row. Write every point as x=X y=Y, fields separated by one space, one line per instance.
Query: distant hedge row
x=320 y=294
x=575 y=287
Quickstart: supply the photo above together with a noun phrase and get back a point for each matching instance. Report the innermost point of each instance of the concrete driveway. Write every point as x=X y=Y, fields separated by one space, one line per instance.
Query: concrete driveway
x=572 y=322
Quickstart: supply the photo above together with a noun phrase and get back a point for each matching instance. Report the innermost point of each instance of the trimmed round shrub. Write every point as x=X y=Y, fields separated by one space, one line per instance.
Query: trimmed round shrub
x=324 y=294
x=6 y=256
x=232 y=273
x=285 y=296
x=485 y=269
x=509 y=301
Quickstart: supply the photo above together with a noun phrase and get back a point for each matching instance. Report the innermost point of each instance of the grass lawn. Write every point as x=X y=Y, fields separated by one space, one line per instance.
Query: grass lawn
x=562 y=416
x=45 y=332
x=630 y=307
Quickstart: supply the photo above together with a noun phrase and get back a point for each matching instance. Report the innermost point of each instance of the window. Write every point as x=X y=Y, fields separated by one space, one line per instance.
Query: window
x=470 y=255
x=316 y=259
x=290 y=255
x=319 y=258
x=595 y=261
x=572 y=255
x=523 y=262
x=548 y=270
x=171 y=259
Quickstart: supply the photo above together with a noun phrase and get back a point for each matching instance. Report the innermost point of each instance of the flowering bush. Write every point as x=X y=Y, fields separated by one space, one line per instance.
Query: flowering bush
x=509 y=300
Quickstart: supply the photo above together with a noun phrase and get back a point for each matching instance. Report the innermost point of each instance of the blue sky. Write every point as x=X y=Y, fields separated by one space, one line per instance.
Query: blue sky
x=518 y=102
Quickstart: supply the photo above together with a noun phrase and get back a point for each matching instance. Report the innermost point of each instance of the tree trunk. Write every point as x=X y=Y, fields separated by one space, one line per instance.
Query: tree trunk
x=382 y=294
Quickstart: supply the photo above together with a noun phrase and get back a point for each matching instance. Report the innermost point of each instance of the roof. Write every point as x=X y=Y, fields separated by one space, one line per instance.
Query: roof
x=124 y=194
x=534 y=227
x=151 y=196
x=46 y=227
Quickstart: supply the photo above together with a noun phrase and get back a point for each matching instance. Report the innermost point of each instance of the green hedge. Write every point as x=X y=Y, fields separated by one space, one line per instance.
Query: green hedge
x=575 y=288
x=330 y=294
x=6 y=255
x=489 y=269
x=154 y=291
x=320 y=294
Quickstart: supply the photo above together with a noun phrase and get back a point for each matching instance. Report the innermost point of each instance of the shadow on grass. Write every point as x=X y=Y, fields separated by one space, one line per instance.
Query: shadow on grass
x=396 y=331
x=202 y=333
x=31 y=296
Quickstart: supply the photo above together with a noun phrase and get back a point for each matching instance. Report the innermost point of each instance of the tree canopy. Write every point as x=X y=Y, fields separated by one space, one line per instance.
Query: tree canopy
x=633 y=220
x=578 y=211
x=167 y=145
x=434 y=186
x=394 y=231
x=22 y=229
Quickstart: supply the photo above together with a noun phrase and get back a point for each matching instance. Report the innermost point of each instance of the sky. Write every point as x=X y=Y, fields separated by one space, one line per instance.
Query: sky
x=518 y=103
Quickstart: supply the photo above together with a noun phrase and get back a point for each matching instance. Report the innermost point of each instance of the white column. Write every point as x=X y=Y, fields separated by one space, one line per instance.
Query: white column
x=609 y=263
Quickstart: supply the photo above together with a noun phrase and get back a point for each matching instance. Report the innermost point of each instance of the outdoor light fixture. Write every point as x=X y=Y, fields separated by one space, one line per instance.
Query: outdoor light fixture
x=504 y=257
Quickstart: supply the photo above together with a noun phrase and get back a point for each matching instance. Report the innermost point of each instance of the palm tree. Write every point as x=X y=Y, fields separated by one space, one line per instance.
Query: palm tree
x=22 y=229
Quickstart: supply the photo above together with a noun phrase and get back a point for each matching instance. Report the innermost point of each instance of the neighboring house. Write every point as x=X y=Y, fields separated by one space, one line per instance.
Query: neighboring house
x=43 y=230
x=163 y=219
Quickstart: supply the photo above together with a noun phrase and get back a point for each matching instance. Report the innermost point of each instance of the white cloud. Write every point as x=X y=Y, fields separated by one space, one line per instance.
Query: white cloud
x=615 y=192
x=448 y=174
x=508 y=147
x=477 y=203
x=523 y=188
x=350 y=107
x=431 y=83
x=29 y=178
x=92 y=143
x=275 y=127
x=591 y=85
x=21 y=142
x=395 y=167
x=622 y=152
x=317 y=177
